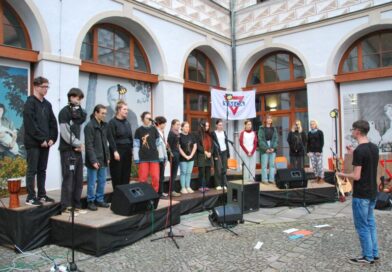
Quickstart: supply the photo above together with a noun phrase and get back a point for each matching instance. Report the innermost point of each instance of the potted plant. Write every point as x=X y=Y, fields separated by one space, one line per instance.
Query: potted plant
x=12 y=171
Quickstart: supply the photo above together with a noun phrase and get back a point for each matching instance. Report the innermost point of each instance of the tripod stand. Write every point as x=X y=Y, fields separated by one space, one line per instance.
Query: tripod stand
x=295 y=173
x=170 y=234
x=244 y=166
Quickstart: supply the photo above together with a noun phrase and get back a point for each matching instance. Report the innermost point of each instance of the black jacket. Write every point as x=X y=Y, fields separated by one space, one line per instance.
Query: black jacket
x=216 y=147
x=39 y=122
x=297 y=143
x=315 y=141
x=119 y=133
x=71 y=119
x=201 y=159
x=96 y=143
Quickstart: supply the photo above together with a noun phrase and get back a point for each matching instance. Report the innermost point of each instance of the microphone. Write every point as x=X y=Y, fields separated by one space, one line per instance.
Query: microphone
x=152 y=120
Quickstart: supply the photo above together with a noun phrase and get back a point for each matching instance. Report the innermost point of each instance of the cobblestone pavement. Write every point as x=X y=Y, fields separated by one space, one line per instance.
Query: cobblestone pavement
x=327 y=249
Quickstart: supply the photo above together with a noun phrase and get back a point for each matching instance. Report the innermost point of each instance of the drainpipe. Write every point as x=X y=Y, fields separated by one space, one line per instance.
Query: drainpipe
x=234 y=64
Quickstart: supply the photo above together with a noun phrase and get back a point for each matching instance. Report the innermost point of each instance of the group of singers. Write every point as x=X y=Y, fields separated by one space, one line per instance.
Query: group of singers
x=112 y=144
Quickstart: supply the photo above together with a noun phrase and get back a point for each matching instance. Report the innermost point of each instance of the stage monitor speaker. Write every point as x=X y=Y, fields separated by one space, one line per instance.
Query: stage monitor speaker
x=129 y=199
x=251 y=194
x=231 y=214
x=291 y=178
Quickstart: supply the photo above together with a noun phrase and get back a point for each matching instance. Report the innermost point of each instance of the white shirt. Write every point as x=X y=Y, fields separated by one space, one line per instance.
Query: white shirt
x=221 y=139
x=248 y=140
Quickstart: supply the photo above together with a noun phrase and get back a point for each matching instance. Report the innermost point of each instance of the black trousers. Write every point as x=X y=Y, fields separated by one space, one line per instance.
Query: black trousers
x=297 y=161
x=205 y=176
x=120 y=171
x=71 y=188
x=220 y=169
x=37 y=161
x=175 y=162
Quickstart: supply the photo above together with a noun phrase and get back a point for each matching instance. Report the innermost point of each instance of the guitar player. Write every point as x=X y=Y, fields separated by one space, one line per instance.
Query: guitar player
x=364 y=176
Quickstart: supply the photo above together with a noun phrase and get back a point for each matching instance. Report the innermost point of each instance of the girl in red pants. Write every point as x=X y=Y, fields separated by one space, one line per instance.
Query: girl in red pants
x=146 y=153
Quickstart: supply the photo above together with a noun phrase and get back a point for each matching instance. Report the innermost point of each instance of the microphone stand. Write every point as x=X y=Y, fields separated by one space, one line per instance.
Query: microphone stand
x=72 y=161
x=223 y=176
x=243 y=181
x=170 y=234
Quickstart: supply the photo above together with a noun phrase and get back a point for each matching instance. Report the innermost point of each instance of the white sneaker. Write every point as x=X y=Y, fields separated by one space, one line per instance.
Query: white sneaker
x=190 y=190
x=218 y=188
x=225 y=188
x=184 y=191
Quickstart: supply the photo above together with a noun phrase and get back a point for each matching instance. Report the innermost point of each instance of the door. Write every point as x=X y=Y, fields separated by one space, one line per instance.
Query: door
x=196 y=108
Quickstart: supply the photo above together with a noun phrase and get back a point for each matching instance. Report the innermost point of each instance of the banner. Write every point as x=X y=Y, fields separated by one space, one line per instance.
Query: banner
x=237 y=105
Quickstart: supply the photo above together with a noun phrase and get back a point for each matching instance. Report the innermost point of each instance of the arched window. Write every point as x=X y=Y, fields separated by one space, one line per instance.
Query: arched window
x=279 y=81
x=276 y=67
x=113 y=46
x=13 y=32
x=368 y=57
x=14 y=39
x=200 y=75
x=199 y=68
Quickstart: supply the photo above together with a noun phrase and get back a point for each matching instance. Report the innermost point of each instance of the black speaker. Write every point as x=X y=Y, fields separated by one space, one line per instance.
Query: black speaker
x=129 y=199
x=383 y=201
x=251 y=194
x=231 y=214
x=291 y=178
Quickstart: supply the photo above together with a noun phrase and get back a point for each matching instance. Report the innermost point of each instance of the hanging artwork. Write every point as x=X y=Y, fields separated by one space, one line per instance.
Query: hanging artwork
x=13 y=94
x=376 y=108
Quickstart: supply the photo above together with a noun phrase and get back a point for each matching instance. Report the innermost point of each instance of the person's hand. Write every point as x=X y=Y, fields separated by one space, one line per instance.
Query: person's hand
x=116 y=156
x=96 y=165
x=350 y=149
x=44 y=144
x=81 y=147
x=50 y=143
x=340 y=174
x=308 y=154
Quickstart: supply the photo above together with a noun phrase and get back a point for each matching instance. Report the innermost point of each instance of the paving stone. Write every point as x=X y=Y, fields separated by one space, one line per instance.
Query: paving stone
x=327 y=249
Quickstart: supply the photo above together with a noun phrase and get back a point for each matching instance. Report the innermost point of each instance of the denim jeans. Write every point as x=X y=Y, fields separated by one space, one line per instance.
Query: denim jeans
x=186 y=173
x=96 y=176
x=268 y=159
x=365 y=225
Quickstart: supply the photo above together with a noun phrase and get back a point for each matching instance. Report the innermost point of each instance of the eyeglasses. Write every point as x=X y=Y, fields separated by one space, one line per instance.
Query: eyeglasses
x=44 y=86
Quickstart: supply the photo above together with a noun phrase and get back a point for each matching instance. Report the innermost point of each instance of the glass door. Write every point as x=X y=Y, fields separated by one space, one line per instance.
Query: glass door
x=282 y=124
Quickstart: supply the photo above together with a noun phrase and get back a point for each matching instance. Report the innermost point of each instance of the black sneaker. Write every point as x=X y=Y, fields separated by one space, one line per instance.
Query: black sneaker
x=102 y=204
x=376 y=259
x=33 y=202
x=91 y=206
x=47 y=199
x=362 y=260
